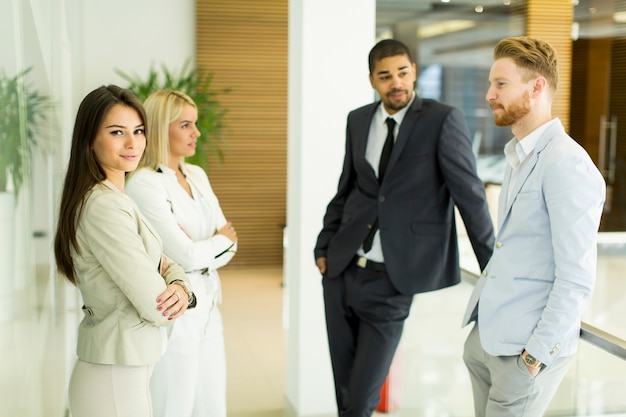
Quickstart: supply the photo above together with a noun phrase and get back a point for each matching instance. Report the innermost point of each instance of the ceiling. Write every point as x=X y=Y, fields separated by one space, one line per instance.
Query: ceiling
x=390 y=11
x=465 y=31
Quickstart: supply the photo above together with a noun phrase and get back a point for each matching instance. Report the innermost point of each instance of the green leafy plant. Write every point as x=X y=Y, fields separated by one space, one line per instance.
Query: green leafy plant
x=22 y=111
x=197 y=85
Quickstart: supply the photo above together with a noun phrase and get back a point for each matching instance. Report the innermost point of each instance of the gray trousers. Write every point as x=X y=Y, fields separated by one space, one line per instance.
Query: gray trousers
x=502 y=385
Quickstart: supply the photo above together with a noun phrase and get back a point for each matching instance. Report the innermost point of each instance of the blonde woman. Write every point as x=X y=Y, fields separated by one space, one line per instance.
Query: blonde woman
x=178 y=200
x=106 y=248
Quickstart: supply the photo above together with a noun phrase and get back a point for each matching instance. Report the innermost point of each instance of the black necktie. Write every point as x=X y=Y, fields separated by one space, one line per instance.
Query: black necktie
x=382 y=167
x=387 y=148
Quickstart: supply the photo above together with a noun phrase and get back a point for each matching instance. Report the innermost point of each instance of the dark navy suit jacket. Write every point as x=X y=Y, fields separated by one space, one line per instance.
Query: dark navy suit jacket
x=431 y=169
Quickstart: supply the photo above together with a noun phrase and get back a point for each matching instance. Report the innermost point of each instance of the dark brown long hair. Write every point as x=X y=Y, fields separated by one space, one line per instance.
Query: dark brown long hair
x=83 y=170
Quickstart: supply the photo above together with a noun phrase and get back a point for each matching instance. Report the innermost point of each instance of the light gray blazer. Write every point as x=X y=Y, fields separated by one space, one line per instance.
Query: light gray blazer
x=541 y=275
x=117 y=272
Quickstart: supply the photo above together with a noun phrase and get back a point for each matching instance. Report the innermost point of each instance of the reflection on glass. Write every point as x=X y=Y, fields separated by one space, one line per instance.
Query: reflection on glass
x=453 y=50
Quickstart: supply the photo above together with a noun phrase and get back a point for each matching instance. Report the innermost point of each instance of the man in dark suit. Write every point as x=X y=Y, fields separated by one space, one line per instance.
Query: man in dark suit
x=389 y=232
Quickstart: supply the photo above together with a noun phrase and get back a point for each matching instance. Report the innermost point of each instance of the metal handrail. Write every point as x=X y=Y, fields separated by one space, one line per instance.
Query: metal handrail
x=590 y=334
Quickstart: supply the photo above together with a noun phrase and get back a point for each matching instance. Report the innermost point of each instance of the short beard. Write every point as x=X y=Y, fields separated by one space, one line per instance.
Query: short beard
x=514 y=113
x=390 y=104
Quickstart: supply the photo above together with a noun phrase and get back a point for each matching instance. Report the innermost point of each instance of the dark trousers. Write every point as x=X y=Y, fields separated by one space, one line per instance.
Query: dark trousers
x=364 y=319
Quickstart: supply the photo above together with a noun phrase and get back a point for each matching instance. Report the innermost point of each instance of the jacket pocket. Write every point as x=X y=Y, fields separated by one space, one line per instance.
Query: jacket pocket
x=535 y=280
x=528 y=195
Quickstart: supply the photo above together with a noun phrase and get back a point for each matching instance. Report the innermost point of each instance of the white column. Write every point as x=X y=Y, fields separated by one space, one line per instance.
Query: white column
x=329 y=42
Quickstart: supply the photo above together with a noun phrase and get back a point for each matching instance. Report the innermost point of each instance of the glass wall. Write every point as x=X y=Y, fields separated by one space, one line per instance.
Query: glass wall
x=598 y=105
x=453 y=43
x=32 y=381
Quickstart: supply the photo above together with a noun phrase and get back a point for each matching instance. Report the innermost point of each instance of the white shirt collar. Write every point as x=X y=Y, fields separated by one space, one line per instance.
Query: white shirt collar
x=165 y=169
x=399 y=115
x=517 y=150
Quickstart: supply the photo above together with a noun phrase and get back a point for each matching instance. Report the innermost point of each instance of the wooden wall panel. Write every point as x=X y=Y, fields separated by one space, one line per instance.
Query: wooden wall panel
x=590 y=91
x=615 y=219
x=244 y=44
x=551 y=20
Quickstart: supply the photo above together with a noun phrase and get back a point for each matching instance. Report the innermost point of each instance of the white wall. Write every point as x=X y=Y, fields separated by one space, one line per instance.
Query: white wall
x=78 y=45
x=328 y=76
x=133 y=36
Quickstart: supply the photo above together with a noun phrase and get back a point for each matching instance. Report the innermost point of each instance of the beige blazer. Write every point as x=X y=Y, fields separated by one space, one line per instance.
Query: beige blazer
x=117 y=271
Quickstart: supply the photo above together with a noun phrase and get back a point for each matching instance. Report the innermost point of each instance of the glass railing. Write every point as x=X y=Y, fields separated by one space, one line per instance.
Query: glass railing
x=429 y=378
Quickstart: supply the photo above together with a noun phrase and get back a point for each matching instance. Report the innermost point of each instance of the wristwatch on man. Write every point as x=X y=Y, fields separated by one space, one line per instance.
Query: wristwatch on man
x=530 y=360
x=191 y=297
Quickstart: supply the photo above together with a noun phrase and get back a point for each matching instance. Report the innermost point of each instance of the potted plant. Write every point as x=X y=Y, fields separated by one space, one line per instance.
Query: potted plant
x=197 y=85
x=23 y=111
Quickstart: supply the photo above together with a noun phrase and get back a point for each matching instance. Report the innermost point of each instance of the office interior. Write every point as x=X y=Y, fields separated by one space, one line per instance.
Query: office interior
x=288 y=72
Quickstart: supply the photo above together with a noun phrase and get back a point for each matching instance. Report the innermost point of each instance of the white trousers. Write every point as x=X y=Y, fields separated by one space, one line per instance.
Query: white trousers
x=110 y=390
x=190 y=379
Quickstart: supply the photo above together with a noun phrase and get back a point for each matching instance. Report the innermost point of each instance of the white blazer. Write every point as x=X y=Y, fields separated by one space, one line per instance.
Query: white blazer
x=159 y=197
x=534 y=290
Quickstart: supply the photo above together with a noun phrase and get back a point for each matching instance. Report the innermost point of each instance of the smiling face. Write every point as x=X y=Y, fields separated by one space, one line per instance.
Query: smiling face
x=183 y=134
x=394 y=80
x=509 y=94
x=119 y=143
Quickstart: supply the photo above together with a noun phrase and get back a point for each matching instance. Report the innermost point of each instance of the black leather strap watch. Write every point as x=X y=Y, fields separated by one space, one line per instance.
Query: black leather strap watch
x=191 y=297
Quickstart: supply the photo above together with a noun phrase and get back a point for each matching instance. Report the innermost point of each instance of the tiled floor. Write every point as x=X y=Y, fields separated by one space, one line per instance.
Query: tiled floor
x=37 y=345
x=255 y=341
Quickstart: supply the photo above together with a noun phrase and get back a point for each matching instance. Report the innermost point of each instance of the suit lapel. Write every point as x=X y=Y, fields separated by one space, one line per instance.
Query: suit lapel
x=502 y=200
x=361 y=134
x=524 y=173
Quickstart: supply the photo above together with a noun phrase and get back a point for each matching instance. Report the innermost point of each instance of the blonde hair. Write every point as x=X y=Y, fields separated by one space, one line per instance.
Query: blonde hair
x=534 y=56
x=163 y=107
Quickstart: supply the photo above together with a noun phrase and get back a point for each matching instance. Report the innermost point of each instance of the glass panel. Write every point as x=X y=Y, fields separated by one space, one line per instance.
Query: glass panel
x=600 y=383
x=453 y=43
x=32 y=381
x=598 y=105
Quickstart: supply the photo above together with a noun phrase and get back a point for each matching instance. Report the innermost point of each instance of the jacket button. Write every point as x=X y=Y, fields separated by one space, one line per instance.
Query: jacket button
x=498 y=245
x=381 y=199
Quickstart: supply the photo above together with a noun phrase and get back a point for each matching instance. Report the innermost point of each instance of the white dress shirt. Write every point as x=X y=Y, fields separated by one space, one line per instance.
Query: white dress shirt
x=375 y=143
x=516 y=151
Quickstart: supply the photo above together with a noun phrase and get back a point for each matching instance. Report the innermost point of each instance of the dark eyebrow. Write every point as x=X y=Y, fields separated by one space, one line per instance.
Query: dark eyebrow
x=122 y=127
x=387 y=72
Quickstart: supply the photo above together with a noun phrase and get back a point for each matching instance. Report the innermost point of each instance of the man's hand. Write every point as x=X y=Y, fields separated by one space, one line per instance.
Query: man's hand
x=321 y=264
x=533 y=371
